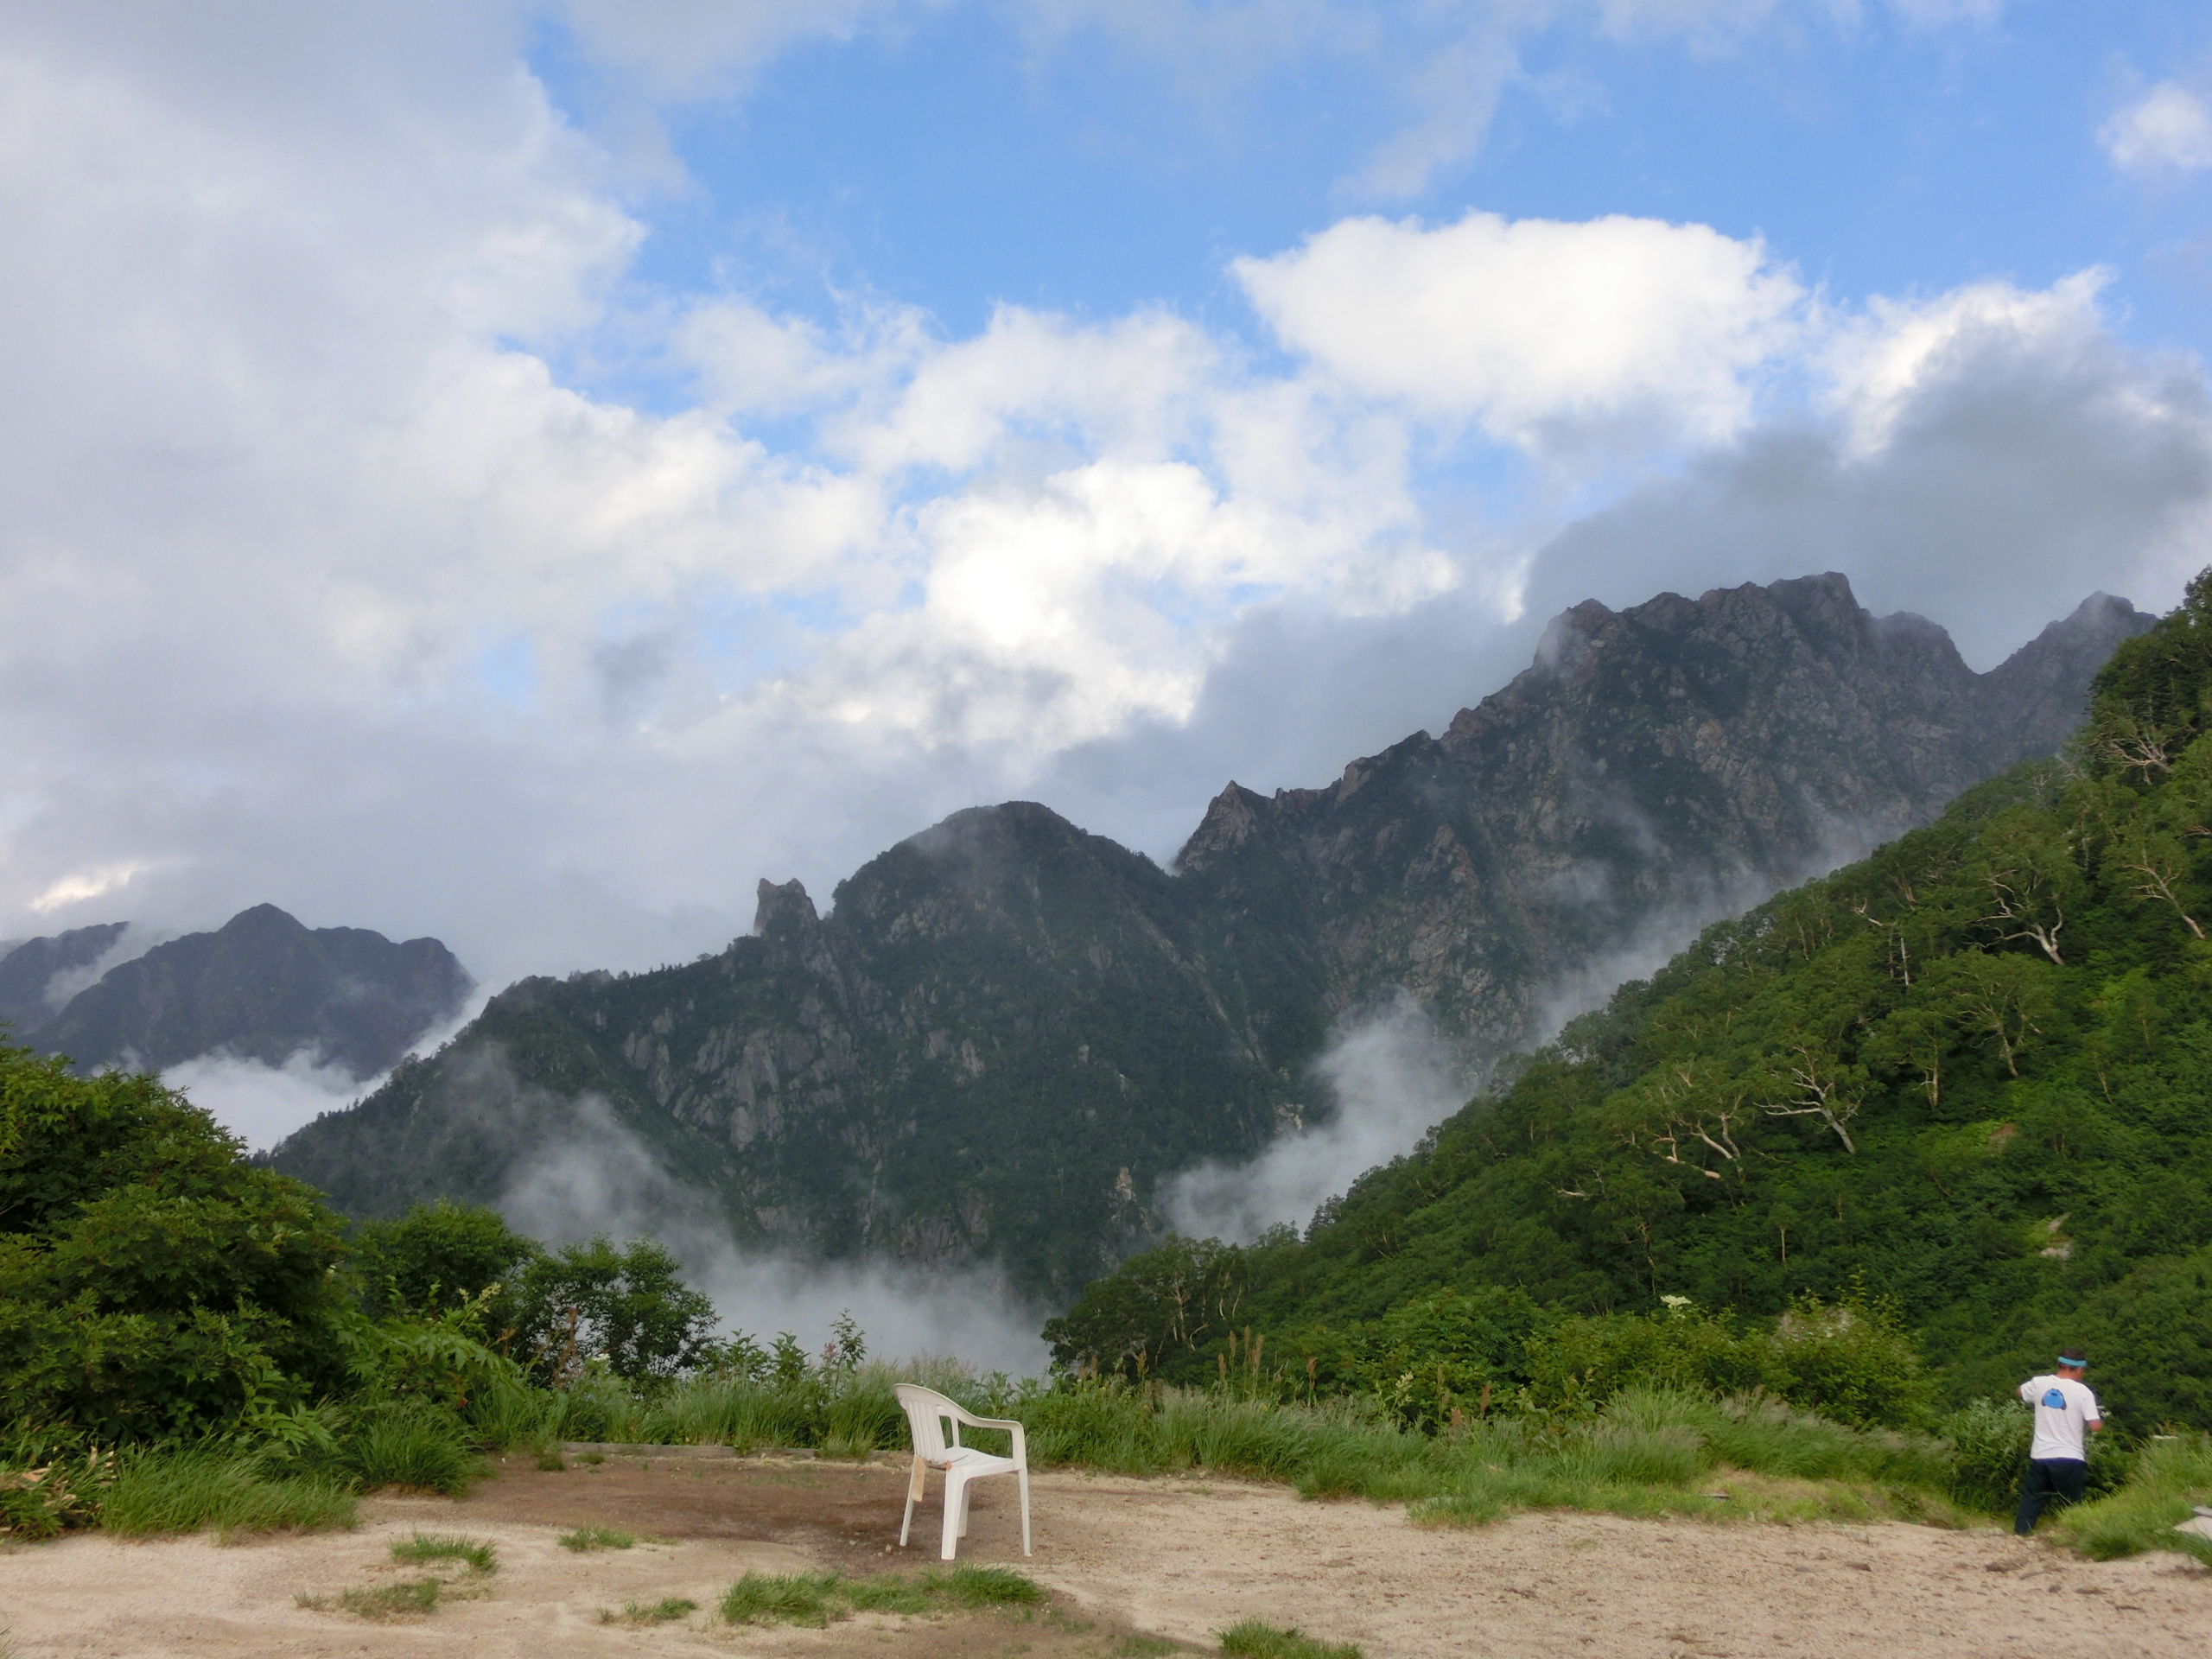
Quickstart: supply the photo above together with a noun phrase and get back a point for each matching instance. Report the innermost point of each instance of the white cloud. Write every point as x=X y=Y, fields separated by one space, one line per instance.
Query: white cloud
x=1536 y=328
x=81 y=886
x=1879 y=362
x=2168 y=129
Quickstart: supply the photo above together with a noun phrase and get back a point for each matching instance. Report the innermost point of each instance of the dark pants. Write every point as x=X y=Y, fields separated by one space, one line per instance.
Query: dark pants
x=2063 y=1479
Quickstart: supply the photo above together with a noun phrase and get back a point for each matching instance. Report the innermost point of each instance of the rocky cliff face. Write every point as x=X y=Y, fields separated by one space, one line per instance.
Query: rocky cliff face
x=1006 y=1031
x=1656 y=768
x=262 y=987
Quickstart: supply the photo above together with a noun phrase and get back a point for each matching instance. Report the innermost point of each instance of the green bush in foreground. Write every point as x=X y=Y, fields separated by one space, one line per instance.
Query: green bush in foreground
x=152 y=1281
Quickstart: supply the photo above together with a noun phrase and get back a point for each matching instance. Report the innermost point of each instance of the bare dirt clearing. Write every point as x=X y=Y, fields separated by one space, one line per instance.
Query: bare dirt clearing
x=1180 y=1558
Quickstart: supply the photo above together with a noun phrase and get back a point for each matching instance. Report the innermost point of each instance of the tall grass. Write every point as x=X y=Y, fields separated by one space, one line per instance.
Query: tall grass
x=185 y=1490
x=2169 y=1479
x=417 y=1447
x=1647 y=1451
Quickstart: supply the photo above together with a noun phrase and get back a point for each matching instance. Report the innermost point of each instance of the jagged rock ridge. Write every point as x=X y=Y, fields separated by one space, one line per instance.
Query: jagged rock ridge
x=1655 y=769
x=1007 y=1032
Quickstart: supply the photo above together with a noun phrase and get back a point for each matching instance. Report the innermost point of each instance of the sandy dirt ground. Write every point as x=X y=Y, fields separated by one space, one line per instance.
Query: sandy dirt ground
x=1177 y=1559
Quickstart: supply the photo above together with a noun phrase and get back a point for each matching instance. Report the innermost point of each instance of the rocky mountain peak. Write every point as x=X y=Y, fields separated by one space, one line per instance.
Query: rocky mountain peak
x=783 y=908
x=263 y=987
x=1231 y=818
x=2032 y=701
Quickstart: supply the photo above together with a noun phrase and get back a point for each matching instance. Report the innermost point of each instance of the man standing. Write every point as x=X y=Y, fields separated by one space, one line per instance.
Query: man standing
x=2058 y=1466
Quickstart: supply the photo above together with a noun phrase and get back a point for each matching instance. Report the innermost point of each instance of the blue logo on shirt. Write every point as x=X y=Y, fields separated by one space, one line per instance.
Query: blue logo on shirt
x=2056 y=1399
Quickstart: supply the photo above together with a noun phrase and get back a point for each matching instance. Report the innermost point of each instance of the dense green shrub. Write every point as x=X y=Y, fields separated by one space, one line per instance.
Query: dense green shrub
x=624 y=1308
x=152 y=1281
x=438 y=1256
x=1989 y=1443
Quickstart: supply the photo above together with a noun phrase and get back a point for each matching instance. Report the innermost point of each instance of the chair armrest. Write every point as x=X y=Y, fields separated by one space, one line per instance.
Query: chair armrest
x=1006 y=1425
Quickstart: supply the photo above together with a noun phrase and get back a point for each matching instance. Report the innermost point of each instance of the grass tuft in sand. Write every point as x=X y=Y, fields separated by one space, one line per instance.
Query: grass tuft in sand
x=597 y=1537
x=666 y=1610
x=424 y=1548
x=381 y=1601
x=815 y=1598
x=1254 y=1640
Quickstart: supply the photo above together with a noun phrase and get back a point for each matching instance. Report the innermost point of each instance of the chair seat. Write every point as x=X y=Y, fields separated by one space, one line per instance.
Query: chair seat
x=982 y=1463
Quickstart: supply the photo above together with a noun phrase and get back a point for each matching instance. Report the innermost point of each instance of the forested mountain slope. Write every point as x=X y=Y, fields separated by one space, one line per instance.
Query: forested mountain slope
x=1972 y=1073
x=1008 y=1032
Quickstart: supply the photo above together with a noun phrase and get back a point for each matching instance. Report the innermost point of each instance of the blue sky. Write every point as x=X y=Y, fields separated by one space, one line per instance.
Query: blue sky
x=525 y=470
x=956 y=163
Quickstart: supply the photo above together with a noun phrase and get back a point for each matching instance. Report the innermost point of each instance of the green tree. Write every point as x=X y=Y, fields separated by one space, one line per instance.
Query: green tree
x=2006 y=999
x=626 y=1305
x=152 y=1281
x=438 y=1254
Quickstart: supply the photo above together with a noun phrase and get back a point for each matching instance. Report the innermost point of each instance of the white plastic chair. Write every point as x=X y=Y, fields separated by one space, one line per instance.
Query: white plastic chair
x=927 y=1413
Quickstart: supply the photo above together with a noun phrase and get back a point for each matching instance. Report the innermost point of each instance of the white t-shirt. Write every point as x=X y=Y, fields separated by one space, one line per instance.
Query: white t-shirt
x=2063 y=1406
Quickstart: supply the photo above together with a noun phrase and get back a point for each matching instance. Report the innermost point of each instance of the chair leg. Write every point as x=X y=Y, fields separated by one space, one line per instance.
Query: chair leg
x=1023 y=1476
x=966 y=1495
x=913 y=1497
x=956 y=1501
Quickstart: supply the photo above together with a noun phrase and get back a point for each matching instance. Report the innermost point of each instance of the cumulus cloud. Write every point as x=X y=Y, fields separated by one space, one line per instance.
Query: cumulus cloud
x=1882 y=362
x=2168 y=129
x=1535 y=327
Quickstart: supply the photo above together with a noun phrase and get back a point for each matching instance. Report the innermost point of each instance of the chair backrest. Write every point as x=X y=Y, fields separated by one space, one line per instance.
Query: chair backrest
x=926 y=1411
